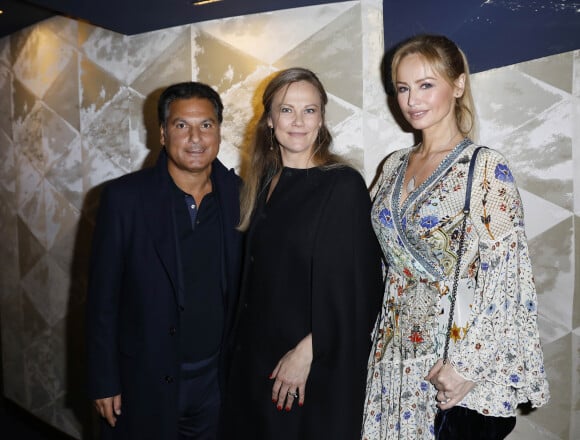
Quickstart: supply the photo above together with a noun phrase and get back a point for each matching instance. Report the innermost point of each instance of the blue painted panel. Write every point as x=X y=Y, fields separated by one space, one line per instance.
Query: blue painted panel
x=492 y=33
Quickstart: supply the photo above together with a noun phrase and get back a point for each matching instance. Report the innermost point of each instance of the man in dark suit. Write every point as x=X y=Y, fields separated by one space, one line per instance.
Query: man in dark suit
x=164 y=280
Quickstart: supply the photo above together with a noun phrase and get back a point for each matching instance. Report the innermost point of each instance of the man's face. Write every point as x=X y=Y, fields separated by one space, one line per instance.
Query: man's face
x=191 y=136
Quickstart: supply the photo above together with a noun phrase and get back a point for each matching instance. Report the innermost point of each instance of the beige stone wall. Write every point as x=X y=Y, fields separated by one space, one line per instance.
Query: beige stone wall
x=78 y=109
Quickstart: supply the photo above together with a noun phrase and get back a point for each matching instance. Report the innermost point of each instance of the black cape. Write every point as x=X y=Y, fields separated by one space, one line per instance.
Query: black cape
x=312 y=265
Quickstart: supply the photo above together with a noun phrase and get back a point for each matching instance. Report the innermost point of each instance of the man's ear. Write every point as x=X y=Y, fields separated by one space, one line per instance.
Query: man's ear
x=162 y=135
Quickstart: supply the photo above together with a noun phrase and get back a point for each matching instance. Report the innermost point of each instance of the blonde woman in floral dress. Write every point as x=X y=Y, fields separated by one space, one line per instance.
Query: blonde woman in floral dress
x=495 y=359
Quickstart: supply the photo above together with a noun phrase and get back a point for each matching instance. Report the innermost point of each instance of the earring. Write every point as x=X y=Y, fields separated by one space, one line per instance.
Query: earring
x=271 y=138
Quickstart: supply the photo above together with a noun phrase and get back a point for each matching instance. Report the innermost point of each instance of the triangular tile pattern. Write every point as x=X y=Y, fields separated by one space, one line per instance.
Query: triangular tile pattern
x=30 y=250
x=576 y=74
x=38 y=68
x=97 y=87
x=270 y=36
x=6 y=94
x=35 y=324
x=168 y=65
x=10 y=273
x=334 y=53
x=552 y=255
x=30 y=199
x=540 y=154
x=7 y=163
x=64 y=99
x=127 y=57
x=5 y=53
x=65 y=174
x=108 y=132
x=223 y=72
x=576 y=304
x=540 y=214
x=557 y=70
x=23 y=100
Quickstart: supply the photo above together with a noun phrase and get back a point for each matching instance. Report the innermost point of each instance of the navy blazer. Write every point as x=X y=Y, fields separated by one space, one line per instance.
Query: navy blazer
x=135 y=294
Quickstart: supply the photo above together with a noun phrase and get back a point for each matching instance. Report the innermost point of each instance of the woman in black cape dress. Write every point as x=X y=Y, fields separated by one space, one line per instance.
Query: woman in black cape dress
x=311 y=272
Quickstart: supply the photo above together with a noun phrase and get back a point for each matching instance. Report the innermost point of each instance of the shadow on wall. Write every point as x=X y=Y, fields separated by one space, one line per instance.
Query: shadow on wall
x=76 y=357
x=394 y=110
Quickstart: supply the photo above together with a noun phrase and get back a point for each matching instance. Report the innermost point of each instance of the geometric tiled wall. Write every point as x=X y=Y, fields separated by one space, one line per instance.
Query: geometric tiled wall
x=78 y=108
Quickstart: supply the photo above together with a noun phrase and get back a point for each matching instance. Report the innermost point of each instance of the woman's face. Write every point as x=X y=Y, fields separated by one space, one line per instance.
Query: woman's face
x=426 y=99
x=296 y=117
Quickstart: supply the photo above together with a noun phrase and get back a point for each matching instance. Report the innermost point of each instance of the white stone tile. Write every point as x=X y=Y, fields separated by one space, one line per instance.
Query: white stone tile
x=268 y=36
x=42 y=59
x=540 y=214
x=552 y=256
x=506 y=99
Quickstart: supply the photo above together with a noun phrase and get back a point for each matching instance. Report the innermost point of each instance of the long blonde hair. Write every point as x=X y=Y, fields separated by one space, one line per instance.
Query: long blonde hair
x=265 y=159
x=449 y=61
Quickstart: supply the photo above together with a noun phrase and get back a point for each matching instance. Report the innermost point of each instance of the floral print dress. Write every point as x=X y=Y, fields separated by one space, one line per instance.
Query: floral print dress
x=494 y=339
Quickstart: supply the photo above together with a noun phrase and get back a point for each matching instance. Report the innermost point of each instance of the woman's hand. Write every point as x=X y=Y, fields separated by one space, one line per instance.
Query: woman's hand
x=291 y=374
x=451 y=387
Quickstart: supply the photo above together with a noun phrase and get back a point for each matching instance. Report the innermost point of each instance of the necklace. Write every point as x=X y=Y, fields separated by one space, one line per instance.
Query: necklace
x=412 y=181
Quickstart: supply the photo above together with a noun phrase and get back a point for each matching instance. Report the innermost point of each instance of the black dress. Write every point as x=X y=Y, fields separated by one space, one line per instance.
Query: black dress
x=312 y=265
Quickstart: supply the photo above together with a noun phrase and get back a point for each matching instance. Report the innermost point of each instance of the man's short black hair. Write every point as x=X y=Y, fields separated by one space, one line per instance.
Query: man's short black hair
x=186 y=90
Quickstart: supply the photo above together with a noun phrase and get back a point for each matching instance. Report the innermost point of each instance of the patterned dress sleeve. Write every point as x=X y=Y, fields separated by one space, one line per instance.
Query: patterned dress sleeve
x=502 y=350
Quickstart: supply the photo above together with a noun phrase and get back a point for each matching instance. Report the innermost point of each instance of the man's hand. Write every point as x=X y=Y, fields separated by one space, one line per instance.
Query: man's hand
x=108 y=408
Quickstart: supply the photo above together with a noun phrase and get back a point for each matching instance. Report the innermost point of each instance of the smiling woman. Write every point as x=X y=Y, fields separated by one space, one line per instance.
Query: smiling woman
x=295 y=119
x=456 y=347
x=311 y=279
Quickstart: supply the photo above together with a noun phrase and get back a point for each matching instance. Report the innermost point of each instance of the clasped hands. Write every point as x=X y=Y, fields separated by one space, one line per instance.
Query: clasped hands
x=291 y=374
x=451 y=386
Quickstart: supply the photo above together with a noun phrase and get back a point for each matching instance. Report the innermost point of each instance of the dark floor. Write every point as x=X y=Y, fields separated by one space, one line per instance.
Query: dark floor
x=18 y=424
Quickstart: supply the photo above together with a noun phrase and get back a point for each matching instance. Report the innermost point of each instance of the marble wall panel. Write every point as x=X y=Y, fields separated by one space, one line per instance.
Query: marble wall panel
x=167 y=65
x=97 y=88
x=552 y=255
x=5 y=53
x=323 y=53
x=30 y=249
x=575 y=385
x=23 y=101
x=30 y=198
x=65 y=174
x=38 y=67
x=576 y=304
x=7 y=163
x=9 y=261
x=506 y=99
x=540 y=154
x=557 y=70
x=576 y=74
x=89 y=116
x=269 y=36
x=6 y=97
x=63 y=99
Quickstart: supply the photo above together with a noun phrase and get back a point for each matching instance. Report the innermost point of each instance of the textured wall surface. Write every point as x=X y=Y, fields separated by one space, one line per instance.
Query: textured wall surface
x=78 y=109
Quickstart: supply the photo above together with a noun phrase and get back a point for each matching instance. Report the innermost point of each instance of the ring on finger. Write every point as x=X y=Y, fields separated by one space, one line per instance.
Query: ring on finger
x=295 y=395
